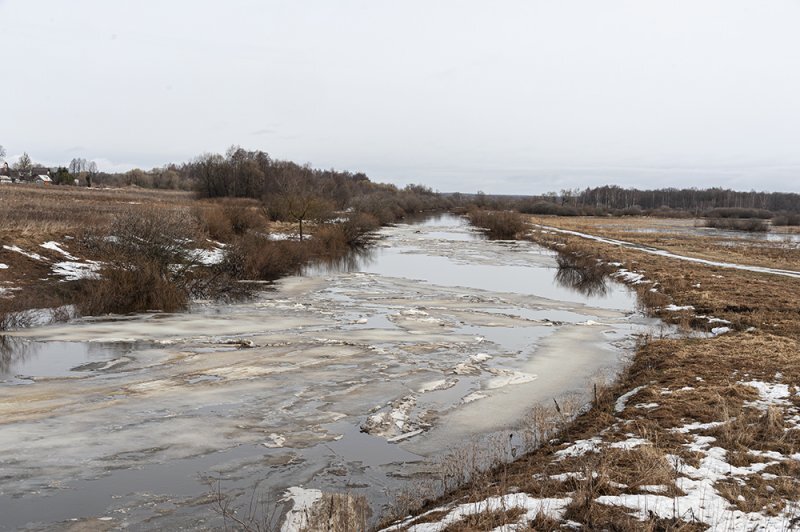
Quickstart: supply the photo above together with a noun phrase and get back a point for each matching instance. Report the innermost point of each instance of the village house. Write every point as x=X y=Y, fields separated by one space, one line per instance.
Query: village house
x=5 y=174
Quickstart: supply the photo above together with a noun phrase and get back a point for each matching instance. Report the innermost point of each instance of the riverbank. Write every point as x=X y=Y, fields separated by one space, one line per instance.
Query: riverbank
x=70 y=251
x=700 y=432
x=354 y=379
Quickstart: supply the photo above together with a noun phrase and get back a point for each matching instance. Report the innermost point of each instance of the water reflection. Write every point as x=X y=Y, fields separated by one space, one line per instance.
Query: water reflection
x=352 y=261
x=20 y=357
x=582 y=274
x=13 y=351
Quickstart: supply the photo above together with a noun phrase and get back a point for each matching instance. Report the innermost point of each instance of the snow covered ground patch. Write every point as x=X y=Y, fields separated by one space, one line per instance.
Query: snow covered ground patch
x=29 y=254
x=302 y=501
x=209 y=257
x=55 y=246
x=553 y=508
x=75 y=271
x=622 y=401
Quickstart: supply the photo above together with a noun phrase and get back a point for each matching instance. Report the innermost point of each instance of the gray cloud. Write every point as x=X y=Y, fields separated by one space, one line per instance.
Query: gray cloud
x=516 y=95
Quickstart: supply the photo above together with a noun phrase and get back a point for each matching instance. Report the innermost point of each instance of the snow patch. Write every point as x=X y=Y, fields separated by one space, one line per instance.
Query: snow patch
x=630 y=443
x=770 y=394
x=676 y=308
x=30 y=255
x=552 y=508
x=55 y=246
x=579 y=448
x=302 y=501
x=209 y=257
x=619 y=406
x=74 y=271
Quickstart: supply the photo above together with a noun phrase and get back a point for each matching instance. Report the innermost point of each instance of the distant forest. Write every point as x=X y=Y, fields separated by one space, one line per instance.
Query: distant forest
x=255 y=174
x=696 y=201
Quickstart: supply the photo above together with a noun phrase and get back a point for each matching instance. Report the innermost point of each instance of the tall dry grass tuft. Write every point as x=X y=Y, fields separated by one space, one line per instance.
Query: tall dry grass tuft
x=339 y=512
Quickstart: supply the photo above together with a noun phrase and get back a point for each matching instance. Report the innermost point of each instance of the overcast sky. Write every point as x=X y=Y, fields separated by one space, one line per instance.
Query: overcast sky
x=502 y=96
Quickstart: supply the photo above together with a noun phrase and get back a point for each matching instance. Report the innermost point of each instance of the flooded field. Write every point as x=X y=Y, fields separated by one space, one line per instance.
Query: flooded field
x=351 y=378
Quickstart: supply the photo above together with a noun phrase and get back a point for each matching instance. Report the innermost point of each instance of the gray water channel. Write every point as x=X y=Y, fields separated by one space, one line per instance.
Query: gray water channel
x=352 y=378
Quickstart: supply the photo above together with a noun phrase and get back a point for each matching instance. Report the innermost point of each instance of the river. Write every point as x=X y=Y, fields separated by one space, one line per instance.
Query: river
x=350 y=378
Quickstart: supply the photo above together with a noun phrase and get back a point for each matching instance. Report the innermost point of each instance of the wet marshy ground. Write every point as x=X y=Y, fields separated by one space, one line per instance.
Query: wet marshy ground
x=350 y=378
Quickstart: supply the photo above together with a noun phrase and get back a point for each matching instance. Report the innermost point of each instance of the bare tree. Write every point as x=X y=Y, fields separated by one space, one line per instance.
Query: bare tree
x=24 y=164
x=2 y=151
x=301 y=201
x=91 y=173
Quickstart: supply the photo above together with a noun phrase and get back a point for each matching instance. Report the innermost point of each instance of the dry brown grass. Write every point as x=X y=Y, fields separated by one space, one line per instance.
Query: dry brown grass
x=486 y=520
x=677 y=236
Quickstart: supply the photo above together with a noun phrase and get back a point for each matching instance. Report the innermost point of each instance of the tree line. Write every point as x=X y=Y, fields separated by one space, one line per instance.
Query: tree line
x=693 y=200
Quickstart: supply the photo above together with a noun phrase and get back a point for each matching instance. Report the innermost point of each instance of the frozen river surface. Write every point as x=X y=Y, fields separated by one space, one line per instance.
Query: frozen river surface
x=350 y=380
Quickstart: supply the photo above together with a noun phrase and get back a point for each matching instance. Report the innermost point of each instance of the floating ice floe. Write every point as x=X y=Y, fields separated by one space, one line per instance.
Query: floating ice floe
x=275 y=441
x=433 y=386
x=506 y=377
x=394 y=421
x=474 y=396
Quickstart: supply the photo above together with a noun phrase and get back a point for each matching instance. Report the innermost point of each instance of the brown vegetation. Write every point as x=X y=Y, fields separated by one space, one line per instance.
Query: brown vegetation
x=752 y=225
x=503 y=225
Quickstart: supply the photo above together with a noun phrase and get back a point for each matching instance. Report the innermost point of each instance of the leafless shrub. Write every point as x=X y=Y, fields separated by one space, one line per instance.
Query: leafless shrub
x=498 y=224
x=148 y=260
x=255 y=256
x=752 y=225
x=786 y=219
x=244 y=216
x=214 y=222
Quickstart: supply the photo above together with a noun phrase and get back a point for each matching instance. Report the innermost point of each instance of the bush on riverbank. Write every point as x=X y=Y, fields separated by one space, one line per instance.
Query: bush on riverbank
x=148 y=258
x=786 y=219
x=750 y=225
x=503 y=225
